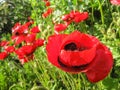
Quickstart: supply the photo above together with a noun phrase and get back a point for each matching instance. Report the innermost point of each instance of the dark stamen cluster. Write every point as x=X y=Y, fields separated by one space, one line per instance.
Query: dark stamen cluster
x=71 y=47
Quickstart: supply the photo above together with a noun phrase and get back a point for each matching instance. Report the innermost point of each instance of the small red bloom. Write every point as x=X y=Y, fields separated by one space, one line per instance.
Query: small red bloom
x=16 y=27
x=24 y=28
x=60 y=27
x=25 y=53
x=44 y=15
x=66 y=17
x=3 y=55
x=47 y=3
x=47 y=13
x=35 y=29
x=18 y=39
x=26 y=59
x=4 y=43
x=29 y=23
x=115 y=2
x=49 y=10
x=10 y=49
x=25 y=50
x=38 y=42
x=80 y=17
x=30 y=38
x=79 y=52
x=75 y=16
x=19 y=29
x=20 y=53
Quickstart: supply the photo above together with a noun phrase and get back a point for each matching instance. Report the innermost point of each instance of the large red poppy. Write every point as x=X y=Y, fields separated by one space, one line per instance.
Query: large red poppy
x=79 y=52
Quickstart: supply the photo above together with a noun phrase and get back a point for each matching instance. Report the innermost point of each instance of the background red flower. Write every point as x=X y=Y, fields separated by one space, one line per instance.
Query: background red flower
x=115 y=2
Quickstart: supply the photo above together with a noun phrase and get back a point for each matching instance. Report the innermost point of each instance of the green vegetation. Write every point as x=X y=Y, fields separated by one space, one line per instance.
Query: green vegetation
x=38 y=74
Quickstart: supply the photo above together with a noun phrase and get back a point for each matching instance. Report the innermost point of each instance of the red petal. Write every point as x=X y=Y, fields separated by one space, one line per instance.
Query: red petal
x=10 y=49
x=30 y=38
x=20 y=53
x=4 y=43
x=28 y=49
x=60 y=27
x=80 y=17
x=38 y=42
x=49 y=10
x=47 y=3
x=47 y=13
x=80 y=39
x=44 y=15
x=88 y=41
x=72 y=14
x=16 y=27
x=73 y=37
x=35 y=29
x=66 y=17
x=101 y=65
x=25 y=50
x=23 y=29
x=18 y=39
x=77 y=58
x=53 y=48
x=3 y=55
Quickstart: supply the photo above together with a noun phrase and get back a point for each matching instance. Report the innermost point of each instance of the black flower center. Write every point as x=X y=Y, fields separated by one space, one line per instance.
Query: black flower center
x=70 y=46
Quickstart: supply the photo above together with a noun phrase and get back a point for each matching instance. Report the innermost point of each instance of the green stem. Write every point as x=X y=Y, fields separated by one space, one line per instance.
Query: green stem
x=84 y=81
x=93 y=19
x=101 y=11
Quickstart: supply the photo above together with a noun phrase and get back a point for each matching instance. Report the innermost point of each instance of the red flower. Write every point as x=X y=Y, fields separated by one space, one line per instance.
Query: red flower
x=23 y=29
x=80 y=52
x=30 y=38
x=47 y=3
x=3 y=55
x=20 y=53
x=4 y=43
x=16 y=27
x=66 y=17
x=25 y=53
x=115 y=2
x=35 y=29
x=47 y=13
x=25 y=59
x=60 y=27
x=19 y=29
x=10 y=49
x=38 y=42
x=18 y=39
x=80 y=17
x=44 y=15
x=25 y=50
x=75 y=16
